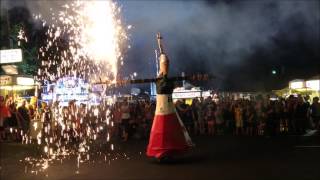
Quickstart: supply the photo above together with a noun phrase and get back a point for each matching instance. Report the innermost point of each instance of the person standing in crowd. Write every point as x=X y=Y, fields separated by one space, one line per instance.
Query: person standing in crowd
x=194 y=105
x=117 y=119
x=189 y=121
x=284 y=117
x=12 y=121
x=278 y=115
x=315 y=113
x=300 y=115
x=146 y=119
x=238 y=114
x=210 y=118
x=244 y=116
x=149 y=115
x=260 y=115
x=32 y=112
x=219 y=119
x=46 y=120
x=271 y=118
x=229 y=117
x=136 y=119
x=125 y=118
x=23 y=117
x=81 y=117
x=182 y=109
x=4 y=114
x=71 y=121
x=291 y=101
x=250 y=116
x=200 y=113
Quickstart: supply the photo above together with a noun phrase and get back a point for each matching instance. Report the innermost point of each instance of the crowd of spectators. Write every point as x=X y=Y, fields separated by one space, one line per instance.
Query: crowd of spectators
x=221 y=116
x=225 y=116
x=14 y=117
x=293 y=115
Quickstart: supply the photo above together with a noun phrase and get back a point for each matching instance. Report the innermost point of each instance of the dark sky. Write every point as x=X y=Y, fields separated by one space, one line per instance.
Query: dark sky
x=240 y=42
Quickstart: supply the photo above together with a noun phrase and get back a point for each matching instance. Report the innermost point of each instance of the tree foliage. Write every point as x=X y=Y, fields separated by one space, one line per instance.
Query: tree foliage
x=19 y=19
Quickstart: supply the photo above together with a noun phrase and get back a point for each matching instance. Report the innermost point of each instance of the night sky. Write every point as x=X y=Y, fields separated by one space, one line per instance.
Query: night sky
x=239 y=42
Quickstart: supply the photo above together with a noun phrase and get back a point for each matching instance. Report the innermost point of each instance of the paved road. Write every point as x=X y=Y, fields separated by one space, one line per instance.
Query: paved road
x=222 y=157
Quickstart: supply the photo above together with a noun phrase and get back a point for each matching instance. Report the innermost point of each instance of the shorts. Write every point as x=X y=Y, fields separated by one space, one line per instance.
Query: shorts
x=239 y=124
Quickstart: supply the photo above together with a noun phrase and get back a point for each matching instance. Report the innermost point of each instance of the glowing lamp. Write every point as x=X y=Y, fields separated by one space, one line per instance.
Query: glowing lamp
x=10 y=69
x=296 y=85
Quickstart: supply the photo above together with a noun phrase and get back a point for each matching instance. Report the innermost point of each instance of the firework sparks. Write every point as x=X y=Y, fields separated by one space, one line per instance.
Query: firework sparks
x=84 y=40
x=101 y=40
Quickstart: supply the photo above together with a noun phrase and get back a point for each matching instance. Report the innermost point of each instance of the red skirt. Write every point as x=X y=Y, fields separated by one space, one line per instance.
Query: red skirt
x=167 y=137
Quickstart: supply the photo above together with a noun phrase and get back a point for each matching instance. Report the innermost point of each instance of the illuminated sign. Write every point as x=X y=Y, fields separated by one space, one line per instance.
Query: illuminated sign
x=182 y=95
x=10 y=56
x=5 y=80
x=25 y=81
x=71 y=85
x=71 y=88
x=313 y=84
x=296 y=84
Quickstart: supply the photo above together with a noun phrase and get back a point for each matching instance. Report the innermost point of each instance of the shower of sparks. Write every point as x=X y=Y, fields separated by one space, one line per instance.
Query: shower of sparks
x=84 y=40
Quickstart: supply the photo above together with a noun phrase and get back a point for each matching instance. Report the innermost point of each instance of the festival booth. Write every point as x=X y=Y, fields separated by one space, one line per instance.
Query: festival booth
x=68 y=89
x=16 y=83
x=64 y=90
x=18 y=87
x=310 y=87
x=12 y=83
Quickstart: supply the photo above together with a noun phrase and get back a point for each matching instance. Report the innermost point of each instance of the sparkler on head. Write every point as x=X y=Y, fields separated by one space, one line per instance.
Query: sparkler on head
x=159 y=43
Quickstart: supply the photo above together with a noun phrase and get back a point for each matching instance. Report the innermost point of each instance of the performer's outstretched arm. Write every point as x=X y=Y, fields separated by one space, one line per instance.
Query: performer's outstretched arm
x=164 y=60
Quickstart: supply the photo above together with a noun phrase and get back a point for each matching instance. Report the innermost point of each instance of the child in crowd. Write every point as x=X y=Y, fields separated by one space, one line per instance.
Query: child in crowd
x=210 y=118
x=238 y=111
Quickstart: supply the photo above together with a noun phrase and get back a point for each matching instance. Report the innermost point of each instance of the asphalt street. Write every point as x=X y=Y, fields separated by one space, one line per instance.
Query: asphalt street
x=219 y=157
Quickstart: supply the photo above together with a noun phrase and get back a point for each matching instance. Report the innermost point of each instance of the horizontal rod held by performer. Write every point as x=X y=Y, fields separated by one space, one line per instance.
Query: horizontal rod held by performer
x=195 y=77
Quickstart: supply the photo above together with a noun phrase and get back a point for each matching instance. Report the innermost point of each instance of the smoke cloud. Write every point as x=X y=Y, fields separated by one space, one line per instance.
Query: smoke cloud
x=217 y=37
